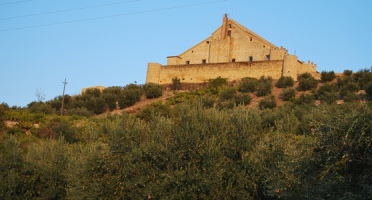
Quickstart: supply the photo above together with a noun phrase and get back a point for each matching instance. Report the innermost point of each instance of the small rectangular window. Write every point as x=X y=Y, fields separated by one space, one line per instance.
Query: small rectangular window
x=228 y=33
x=250 y=39
x=250 y=58
x=233 y=60
x=207 y=42
x=267 y=57
x=187 y=62
x=204 y=61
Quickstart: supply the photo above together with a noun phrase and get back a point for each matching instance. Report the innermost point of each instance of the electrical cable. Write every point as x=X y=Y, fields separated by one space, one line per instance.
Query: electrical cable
x=111 y=16
x=2 y=4
x=67 y=10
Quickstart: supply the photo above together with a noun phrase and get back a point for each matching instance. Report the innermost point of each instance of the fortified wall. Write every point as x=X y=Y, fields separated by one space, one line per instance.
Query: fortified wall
x=232 y=52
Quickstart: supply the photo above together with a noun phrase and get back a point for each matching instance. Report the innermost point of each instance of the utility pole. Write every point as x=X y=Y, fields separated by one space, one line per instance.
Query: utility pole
x=63 y=95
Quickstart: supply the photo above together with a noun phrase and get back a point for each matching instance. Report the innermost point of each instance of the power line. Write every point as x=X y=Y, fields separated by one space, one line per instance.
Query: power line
x=2 y=4
x=67 y=10
x=112 y=16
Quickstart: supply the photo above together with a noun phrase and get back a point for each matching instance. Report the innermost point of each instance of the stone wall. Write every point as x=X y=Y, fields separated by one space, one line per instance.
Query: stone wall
x=199 y=73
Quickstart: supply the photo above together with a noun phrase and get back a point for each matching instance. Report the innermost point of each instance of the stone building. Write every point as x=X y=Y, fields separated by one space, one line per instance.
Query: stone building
x=232 y=52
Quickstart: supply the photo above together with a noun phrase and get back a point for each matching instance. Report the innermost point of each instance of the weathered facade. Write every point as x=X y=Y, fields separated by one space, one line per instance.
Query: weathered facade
x=232 y=52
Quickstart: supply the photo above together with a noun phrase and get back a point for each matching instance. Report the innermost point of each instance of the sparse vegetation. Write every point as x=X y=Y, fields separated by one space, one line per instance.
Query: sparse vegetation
x=264 y=86
x=287 y=94
x=267 y=102
x=176 y=84
x=153 y=90
x=284 y=82
x=306 y=82
x=327 y=76
x=248 y=85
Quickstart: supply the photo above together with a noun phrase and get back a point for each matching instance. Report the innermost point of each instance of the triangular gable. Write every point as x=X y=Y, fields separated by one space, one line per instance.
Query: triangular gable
x=256 y=36
x=244 y=29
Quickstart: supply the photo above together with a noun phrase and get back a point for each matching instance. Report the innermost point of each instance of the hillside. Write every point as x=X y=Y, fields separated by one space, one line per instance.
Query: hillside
x=219 y=140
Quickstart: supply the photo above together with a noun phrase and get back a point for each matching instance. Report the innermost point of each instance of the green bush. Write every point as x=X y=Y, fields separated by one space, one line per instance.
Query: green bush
x=153 y=90
x=110 y=100
x=368 y=89
x=227 y=104
x=95 y=92
x=305 y=99
x=215 y=85
x=40 y=107
x=267 y=103
x=248 y=85
x=227 y=93
x=327 y=93
x=287 y=94
x=264 y=86
x=208 y=101
x=348 y=72
x=362 y=77
x=116 y=90
x=306 y=82
x=349 y=88
x=285 y=81
x=242 y=99
x=350 y=97
x=176 y=84
x=327 y=76
x=81 y=111
x=217 y=82
x=132 y=94
x=156 y=109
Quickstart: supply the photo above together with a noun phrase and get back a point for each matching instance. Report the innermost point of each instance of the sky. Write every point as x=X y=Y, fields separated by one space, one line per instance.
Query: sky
x=110 y=42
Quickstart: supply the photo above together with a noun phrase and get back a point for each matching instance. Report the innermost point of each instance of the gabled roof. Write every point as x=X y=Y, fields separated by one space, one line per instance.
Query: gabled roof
x=252 y=33
x=244 y=29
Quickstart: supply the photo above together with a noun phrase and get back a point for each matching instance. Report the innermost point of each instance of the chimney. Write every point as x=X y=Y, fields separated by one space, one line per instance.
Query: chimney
x=224 y=26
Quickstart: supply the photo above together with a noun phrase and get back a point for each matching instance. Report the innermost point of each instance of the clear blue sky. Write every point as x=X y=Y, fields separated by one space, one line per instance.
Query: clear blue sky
x=110 y=42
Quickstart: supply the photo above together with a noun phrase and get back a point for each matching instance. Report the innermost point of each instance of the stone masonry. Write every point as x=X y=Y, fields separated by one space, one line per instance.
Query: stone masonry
x=231 y=52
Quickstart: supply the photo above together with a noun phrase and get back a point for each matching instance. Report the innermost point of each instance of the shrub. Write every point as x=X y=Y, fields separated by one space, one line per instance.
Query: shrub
x=110 y=100
x=227 y=93
x=362 y=77
x=327 y=76
x=228 y=104
x=368 y=89
x=40 y=107
x=131 y=96
x=99 y=105
x=342 y=81
x=208 y=101
x=156 y=109
x=248 y=85
x=349 y=88
x=242 y=99
x=327 y=93
x=84 y=112
x=285 y=81
x=287 y=94
x=95 y=92
x=306 y=82
x=350 y=97
x=153 y=90
x=176 y=84
x=348 y=72
x=116 y=90
x=217 y=82
x=267 y=103
x=305 y=99
x=264 y=86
